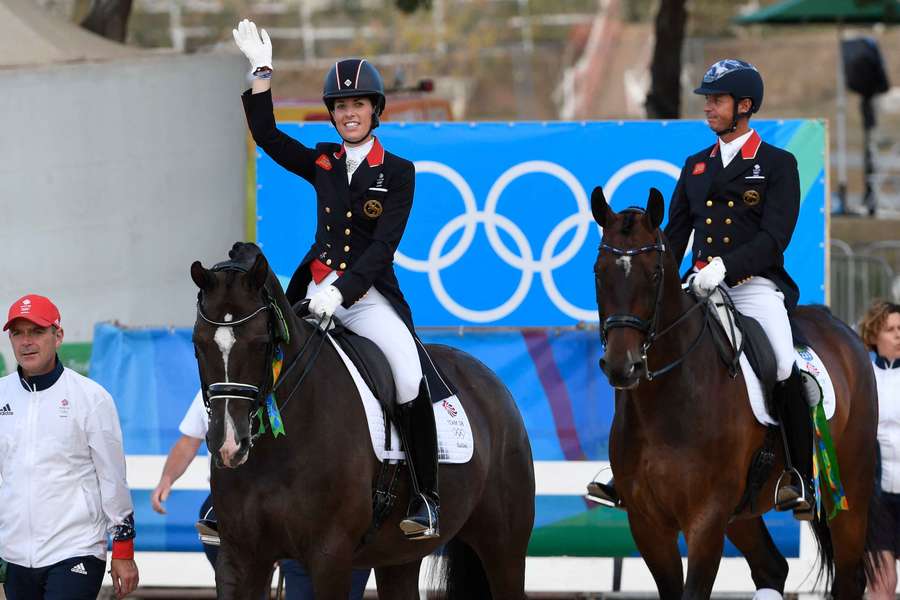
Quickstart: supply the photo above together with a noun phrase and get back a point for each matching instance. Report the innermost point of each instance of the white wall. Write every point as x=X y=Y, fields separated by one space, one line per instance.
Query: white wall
x=114 y=177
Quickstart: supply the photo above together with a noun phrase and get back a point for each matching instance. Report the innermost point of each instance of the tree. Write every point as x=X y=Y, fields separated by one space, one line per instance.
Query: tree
x=109 y=18
x=664 y=98
x=410 y=6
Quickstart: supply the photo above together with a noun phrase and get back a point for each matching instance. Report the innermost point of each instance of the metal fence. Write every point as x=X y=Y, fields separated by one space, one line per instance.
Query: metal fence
x=860 y=276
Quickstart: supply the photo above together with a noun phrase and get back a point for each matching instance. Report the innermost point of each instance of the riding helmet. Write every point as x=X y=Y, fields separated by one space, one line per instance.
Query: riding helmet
x=354 y=77
x=736 y=77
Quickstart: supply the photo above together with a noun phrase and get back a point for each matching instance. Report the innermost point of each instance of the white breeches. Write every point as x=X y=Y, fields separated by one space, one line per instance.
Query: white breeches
x=374 y=317
x=761 y=299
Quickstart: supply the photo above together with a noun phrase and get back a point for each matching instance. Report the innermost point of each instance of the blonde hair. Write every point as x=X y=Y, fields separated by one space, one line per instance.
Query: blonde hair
x=871 y=324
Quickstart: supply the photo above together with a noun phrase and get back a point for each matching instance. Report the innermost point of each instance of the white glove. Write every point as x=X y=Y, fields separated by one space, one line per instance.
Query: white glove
x=256 y=46
x=709 y=277
x=324 y=302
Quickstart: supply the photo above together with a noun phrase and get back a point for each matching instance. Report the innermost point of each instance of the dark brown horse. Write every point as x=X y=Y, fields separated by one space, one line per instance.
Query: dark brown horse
x=682 y=441
x=307 y=495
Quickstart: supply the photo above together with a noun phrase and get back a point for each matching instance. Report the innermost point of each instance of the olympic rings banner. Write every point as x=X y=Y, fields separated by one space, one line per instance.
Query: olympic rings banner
x=501 y=231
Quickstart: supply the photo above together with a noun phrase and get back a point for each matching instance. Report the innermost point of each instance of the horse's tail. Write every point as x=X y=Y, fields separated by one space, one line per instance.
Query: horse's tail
x=871 y=558
x=825 y=549
x=460 y=575
x=878 y=520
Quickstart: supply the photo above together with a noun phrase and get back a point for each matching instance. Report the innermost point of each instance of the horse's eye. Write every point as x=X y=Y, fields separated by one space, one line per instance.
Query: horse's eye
x=656 y=276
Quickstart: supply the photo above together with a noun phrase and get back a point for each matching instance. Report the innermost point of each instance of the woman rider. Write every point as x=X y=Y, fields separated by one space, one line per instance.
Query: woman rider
x=364 y=196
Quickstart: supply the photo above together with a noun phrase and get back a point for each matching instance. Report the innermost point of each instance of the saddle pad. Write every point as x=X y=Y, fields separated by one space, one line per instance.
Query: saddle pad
x=811 y=367
x=456 y=443
x=813 y=370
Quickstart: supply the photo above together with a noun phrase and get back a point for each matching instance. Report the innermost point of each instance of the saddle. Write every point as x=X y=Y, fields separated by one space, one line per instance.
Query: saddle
x=374 y=367
x=739 y=334
x=736 y=334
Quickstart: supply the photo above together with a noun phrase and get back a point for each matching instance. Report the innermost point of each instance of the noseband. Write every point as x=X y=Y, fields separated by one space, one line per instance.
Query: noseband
x=647 y=326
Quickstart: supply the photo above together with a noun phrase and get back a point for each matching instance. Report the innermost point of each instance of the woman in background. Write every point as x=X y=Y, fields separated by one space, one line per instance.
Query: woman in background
x=880 y=330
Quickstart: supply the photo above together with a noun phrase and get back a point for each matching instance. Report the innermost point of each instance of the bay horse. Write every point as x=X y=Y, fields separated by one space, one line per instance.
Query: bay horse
x=683 y=434
x=308 y=495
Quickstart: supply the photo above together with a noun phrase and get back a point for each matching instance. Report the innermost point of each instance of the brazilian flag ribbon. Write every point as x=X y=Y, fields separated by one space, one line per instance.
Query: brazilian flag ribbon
x=271 y=408
x=825 y=467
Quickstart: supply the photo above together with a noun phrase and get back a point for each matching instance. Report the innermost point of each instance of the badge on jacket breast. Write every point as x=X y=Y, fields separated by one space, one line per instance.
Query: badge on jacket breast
x=372 y=207
x=751 y=197
x=756 y=173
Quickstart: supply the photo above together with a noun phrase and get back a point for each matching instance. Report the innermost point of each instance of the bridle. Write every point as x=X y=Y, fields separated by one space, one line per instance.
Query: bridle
x=262 y=398
x=647 y=326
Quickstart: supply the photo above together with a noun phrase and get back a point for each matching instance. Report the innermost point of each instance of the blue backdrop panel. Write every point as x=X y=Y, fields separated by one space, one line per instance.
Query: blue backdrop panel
x=563 y=396
x=509 y=203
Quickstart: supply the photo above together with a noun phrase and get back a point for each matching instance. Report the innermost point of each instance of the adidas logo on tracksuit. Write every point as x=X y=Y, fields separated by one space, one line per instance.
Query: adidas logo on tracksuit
x=79 y=568
x=6 y=410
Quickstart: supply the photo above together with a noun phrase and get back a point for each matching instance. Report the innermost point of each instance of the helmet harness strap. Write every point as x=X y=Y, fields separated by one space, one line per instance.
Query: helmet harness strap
x=735 y=116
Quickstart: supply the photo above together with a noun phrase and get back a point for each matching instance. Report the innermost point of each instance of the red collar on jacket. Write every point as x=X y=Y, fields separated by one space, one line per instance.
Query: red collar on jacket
x=748 y=150
x=375 y=157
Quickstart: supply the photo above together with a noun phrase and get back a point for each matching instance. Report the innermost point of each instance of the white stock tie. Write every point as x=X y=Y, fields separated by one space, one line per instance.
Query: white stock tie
x=352 y=163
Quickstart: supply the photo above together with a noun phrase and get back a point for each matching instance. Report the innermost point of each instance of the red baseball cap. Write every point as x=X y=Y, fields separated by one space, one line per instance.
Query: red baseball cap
x=37 y=309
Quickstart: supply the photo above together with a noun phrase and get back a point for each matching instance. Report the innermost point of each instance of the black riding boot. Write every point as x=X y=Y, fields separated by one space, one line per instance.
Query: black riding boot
x=419 y=436
x=797 y=433
x=605 y=494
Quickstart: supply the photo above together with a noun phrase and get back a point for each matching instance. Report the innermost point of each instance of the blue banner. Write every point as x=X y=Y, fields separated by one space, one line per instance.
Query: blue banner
x=501 y=231
x=564 y=399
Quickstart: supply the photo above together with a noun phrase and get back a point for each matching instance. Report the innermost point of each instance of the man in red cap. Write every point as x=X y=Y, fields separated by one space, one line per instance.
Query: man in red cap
x=64 y=489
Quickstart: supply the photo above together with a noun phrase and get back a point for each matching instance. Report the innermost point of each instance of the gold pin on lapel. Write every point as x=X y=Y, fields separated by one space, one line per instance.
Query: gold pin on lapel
x=372 y=209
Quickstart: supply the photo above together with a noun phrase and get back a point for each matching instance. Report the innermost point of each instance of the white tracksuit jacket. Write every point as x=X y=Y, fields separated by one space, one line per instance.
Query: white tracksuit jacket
x=62 y=465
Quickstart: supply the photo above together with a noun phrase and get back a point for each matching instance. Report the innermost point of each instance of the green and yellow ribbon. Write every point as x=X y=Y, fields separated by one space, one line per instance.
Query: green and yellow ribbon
x=827 y=474
x=271 y=408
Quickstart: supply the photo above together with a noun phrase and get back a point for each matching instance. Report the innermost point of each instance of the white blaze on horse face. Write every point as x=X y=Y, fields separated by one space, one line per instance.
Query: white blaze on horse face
x=230 y=444
x=625 y=263
x=224 y=338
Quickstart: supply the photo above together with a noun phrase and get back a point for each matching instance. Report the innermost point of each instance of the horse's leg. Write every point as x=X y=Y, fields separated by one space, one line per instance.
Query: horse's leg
x=768 y=567
x=240 y=578
x=848 y=534
x=497 y=535
x=659 y=549
x=331 y=571
x=705 y=539
x=503 y=562
x=398 y=582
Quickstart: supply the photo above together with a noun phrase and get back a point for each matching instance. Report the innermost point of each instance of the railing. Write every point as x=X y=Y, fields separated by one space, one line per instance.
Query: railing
x=859 y=277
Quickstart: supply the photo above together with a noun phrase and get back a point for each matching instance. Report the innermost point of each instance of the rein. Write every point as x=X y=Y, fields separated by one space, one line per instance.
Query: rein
x=648 y=327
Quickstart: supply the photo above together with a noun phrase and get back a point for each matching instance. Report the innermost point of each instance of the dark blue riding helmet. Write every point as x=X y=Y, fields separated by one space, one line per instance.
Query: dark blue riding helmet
x=735 y=77
x=351 y=78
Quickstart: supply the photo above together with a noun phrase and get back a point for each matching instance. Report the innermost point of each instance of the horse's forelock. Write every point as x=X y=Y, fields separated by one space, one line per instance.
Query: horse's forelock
x=244 y=253
x=630 y=218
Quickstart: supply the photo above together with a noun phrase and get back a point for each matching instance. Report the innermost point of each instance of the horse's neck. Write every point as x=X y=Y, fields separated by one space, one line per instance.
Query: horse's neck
x=678 y=343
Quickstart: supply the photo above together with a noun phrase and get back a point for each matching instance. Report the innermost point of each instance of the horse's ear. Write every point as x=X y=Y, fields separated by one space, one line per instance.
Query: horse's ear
x=203 y=277
x=656 y=208
x=259 y=272
x=599 y=206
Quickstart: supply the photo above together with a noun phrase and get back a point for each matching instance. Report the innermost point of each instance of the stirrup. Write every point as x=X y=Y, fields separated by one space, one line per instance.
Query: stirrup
x=413 y=530
x=801 y=504
x=603 y=494
x=208 y=535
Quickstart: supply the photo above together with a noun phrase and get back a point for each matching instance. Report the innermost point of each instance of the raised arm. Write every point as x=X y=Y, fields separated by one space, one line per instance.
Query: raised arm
x=284 y=150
